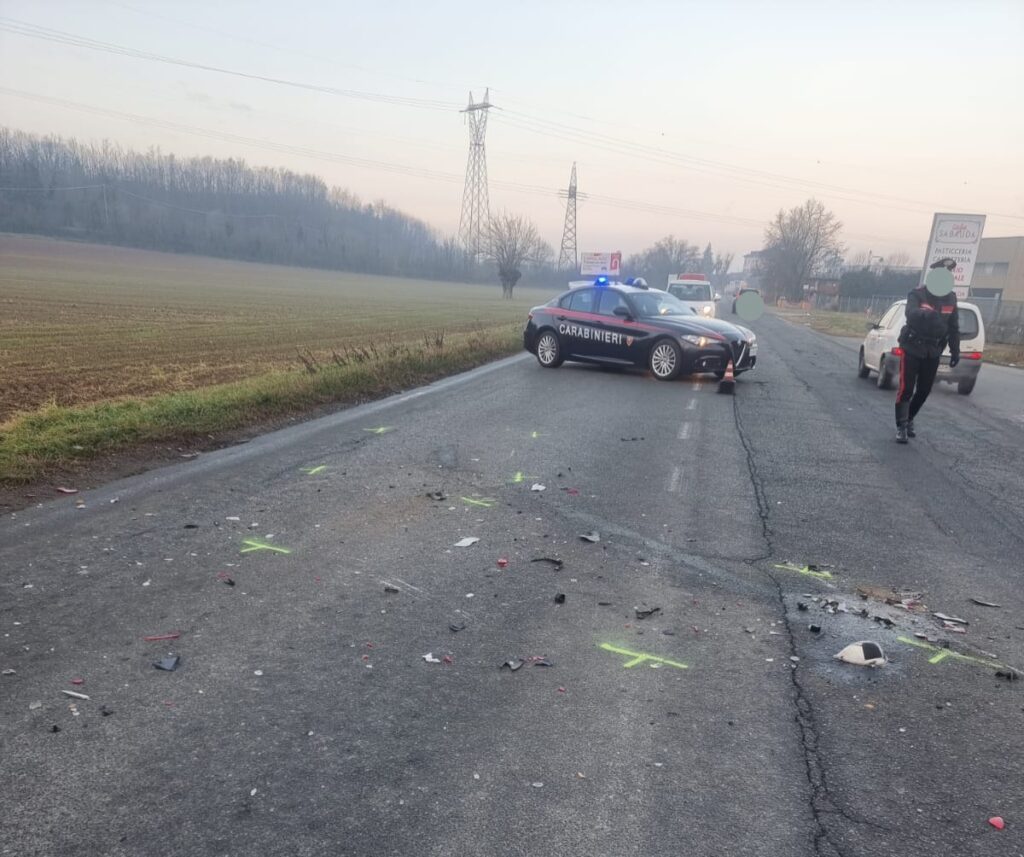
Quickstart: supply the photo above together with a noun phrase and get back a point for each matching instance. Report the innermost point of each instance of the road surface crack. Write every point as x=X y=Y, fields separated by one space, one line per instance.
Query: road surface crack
x=822 y=800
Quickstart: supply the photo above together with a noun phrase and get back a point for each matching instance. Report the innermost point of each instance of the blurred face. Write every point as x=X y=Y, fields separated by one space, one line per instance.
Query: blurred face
x=939 y=282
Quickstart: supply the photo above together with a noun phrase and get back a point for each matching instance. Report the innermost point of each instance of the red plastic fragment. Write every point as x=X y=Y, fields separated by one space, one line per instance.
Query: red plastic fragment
x=502 y=563
x=78 y=681
x=447 y=659
x=997 y=822
x=156 y=638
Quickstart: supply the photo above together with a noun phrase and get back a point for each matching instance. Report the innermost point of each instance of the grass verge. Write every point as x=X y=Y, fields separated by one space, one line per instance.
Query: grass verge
x=855 y=324
x=58 y=436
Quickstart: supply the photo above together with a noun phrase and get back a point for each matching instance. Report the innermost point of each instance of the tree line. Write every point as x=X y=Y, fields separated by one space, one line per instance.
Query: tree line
x=61 y=187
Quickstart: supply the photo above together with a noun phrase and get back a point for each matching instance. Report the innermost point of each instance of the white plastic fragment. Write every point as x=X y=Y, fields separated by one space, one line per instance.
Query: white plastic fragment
x=863 y=654
x=538 y=487
x=74 y=694
x=430 y=659
x=466 y=542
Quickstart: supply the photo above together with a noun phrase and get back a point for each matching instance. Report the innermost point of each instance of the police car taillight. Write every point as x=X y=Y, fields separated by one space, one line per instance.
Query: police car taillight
x=973 y=355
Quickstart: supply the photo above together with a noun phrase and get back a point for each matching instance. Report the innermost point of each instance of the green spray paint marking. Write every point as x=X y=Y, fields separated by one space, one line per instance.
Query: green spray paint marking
x=521 y=477
x=810 y=572
x=313 y=471
x=535 y=434
x=378 y=430
x=254 y=545
x=941 y=654
x=639 y=657
x=486 y=502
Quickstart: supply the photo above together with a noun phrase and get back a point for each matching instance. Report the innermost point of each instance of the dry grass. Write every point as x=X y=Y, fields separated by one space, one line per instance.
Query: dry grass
x=86 y=323
x=852 y=324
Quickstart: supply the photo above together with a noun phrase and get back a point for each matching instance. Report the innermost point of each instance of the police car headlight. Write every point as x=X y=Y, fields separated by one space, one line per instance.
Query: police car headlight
x=706 y=310
x=695 y=339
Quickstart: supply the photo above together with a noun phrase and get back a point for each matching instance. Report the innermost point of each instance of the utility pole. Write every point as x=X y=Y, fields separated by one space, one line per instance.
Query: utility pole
x=568 y=257
x=476 y=206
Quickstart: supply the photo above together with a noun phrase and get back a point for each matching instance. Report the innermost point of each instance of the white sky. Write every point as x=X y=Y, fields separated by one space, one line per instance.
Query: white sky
x=901 y=108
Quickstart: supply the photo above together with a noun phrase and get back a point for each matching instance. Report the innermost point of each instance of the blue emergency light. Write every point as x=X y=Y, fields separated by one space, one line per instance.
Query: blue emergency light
x=601 y=281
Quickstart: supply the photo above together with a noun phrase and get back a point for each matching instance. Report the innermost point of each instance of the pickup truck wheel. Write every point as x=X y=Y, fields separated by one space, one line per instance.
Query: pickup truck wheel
x=884 y=376
x=862 y=368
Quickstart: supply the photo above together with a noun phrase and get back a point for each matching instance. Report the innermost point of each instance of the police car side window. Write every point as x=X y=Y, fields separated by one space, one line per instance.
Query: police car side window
x=610 y=299
x=583 y=300
x=564 y=301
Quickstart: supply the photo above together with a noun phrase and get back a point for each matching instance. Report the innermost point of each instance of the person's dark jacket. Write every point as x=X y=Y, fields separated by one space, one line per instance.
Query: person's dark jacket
x=932 y=324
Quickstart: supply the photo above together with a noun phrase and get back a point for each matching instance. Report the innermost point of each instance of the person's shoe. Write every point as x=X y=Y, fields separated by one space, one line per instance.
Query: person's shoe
x=901 y=434
x=910 y=429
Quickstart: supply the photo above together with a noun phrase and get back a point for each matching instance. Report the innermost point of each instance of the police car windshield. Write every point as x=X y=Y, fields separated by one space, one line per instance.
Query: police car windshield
x=659 y=303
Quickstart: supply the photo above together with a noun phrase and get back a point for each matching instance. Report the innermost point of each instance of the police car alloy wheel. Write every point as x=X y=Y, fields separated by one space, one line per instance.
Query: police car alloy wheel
x=666 y=360
x=548 y=351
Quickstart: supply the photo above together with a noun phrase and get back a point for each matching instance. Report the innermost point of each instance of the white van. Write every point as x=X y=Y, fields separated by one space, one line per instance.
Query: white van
x=881 y=350
x=695 y=291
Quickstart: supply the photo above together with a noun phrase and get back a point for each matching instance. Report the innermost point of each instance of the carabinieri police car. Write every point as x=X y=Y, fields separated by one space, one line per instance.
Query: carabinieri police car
x=617 y=324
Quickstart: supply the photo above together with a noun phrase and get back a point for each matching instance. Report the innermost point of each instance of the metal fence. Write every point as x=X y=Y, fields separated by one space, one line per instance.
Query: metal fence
x=1004 y=320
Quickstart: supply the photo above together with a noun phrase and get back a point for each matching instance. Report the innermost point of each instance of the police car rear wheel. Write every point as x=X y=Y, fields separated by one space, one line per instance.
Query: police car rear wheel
x=666 y=360
x=549 y=352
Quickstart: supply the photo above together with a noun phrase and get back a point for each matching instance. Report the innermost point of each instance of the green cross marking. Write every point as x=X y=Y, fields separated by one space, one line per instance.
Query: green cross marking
x=256 y=545
x=824 y=575
x=941 y=654
x=640 y=657
x=313 y=471
x=486 y=502
x=378 y=430
x=535 y=434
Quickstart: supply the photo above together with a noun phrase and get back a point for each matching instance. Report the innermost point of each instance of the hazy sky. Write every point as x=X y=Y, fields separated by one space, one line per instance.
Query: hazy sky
x=697 y=119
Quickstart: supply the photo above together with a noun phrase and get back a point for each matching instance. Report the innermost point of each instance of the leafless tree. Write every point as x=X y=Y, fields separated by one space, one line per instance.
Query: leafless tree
x=898 y=259
x=796 y=242
x=513 y=242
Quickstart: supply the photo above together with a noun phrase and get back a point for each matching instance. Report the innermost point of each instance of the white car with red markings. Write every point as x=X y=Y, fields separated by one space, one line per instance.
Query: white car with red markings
x=881 y=350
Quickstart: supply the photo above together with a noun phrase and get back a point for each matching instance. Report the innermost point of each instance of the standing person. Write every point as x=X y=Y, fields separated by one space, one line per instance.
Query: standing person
x=932 y=324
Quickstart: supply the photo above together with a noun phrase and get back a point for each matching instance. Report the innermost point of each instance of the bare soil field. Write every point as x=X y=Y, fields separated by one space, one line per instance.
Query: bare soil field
x=85 y=323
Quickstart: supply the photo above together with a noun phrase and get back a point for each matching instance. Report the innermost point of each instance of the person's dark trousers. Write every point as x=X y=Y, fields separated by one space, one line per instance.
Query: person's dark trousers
x=917 y=374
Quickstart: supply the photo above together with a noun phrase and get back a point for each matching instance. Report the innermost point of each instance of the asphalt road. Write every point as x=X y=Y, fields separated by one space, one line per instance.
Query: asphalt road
x=304 y=720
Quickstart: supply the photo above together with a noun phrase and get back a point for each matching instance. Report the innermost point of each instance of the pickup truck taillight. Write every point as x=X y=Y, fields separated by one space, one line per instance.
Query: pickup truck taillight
x=897 y=352
x=972 y=355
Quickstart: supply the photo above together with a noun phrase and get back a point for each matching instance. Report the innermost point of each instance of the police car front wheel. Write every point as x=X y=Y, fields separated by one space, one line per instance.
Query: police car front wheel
x=549 y=351
x=666 y=360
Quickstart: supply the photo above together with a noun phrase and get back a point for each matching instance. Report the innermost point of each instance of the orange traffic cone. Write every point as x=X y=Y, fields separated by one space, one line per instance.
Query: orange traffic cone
x=728 y=382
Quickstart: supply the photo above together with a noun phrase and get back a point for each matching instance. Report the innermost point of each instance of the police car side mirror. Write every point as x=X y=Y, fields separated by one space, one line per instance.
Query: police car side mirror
x=622 y=312
x=718 y=297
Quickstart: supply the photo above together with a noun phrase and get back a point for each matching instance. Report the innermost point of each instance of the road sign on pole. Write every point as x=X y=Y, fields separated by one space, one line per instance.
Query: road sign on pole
x=956 y=237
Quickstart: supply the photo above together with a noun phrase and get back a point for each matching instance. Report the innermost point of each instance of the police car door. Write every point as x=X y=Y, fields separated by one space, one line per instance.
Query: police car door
x=578 y=324
x=618 y=335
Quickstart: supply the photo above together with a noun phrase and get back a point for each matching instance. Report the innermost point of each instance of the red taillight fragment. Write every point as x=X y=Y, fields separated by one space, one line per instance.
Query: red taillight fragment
x=897 y=352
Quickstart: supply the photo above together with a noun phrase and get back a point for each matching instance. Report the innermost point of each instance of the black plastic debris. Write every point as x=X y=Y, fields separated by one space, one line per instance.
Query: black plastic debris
x=512 y=664
x=557 y=563
x=801 y=606
x=440 y=496
x=592 y=537
x=814 y=629
x=1009 y=674
x=106 y=712
x=646 y=612
x=981 y=603
x=604 y=603
x=884 y=620
x=455 y=628
x=542 y=662
x=191 y=527
x=668 y=632
x=560 y=598
x=391 y=588
x=630 y=439
x=169 y=664
x=227 y=581
x=55 y=728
